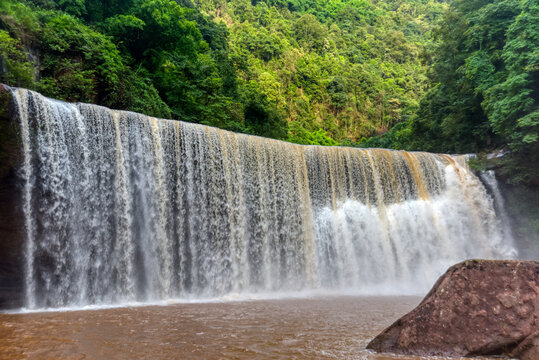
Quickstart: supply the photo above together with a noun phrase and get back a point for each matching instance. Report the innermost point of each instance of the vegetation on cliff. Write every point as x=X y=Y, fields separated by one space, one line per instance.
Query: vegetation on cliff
x=483 y=87
x=310 y=72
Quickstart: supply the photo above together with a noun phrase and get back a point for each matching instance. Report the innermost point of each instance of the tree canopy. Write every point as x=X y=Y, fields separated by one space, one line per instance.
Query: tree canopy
x=483 y=87
x=328 y=72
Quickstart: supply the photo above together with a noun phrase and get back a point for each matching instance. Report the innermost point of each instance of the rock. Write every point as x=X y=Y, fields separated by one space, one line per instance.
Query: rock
x=11 y=217
x=528 y=349
x=477 y=308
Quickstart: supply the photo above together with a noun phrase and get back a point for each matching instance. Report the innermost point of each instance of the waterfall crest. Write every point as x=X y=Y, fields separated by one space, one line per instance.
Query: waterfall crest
x=124 y=207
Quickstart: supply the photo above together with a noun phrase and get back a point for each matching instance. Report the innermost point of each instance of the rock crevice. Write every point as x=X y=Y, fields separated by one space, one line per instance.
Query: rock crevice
x=477 y=308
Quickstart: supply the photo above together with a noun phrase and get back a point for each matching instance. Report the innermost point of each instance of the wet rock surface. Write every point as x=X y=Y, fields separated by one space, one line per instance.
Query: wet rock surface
x=528 y=349
x=11 y=218
x=477 y=308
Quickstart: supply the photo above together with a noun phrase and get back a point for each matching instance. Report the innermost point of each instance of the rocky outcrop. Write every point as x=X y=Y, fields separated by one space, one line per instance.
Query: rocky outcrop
x=11 y=218
x=478 y=307
x=528 y=349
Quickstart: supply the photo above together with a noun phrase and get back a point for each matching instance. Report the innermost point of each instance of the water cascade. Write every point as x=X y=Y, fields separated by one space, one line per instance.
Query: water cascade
x=123 y=207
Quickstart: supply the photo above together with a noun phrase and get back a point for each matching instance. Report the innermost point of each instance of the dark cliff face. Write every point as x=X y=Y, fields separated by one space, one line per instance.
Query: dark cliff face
x=477 y=308
x=522 y=208
x=11 y=216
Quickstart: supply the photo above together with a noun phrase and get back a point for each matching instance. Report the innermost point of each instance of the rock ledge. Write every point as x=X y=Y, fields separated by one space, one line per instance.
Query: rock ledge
x=477 y=308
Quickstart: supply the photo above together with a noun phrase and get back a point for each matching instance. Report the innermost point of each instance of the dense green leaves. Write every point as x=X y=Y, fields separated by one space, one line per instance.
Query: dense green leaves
x=484 y=96
x=305 y=71
x=14 y=67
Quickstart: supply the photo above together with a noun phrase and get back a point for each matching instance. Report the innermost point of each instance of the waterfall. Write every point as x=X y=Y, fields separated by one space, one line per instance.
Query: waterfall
x=489 y=180
x=123 y=207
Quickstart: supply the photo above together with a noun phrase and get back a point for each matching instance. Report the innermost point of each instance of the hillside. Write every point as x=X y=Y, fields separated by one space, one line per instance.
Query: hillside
x=311 y=72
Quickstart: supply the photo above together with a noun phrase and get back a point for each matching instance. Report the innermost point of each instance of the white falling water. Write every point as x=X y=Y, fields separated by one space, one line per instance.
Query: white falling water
x=122 y=207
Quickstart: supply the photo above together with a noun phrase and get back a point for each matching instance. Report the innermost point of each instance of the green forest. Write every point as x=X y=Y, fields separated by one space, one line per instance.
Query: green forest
x=310 y=72
x=443 y=76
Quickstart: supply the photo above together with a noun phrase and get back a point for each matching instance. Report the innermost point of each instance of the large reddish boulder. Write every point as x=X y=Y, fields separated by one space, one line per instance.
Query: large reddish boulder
x=478 y=307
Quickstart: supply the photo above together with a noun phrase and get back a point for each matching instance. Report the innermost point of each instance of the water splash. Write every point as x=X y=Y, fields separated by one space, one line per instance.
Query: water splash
x=120 y=208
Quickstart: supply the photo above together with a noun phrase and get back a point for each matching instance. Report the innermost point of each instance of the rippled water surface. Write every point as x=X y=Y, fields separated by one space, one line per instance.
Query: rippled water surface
x=312 y=328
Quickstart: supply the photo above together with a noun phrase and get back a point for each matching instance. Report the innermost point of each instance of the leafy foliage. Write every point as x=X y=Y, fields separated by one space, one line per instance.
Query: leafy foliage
x=485 y=71
x=303 y=71
x=14 y=67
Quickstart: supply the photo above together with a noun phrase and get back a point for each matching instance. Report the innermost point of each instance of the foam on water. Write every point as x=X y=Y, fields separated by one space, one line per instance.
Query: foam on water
x=367 y=292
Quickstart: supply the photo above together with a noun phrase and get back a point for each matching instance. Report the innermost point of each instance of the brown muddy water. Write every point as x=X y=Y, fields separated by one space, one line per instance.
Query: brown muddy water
x=309 y=328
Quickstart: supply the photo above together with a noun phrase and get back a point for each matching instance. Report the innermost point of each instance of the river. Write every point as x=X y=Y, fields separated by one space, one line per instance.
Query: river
x=322 y=327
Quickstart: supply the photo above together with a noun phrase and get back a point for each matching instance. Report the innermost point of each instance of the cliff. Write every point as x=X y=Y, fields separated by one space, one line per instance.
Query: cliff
x=11 y=218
